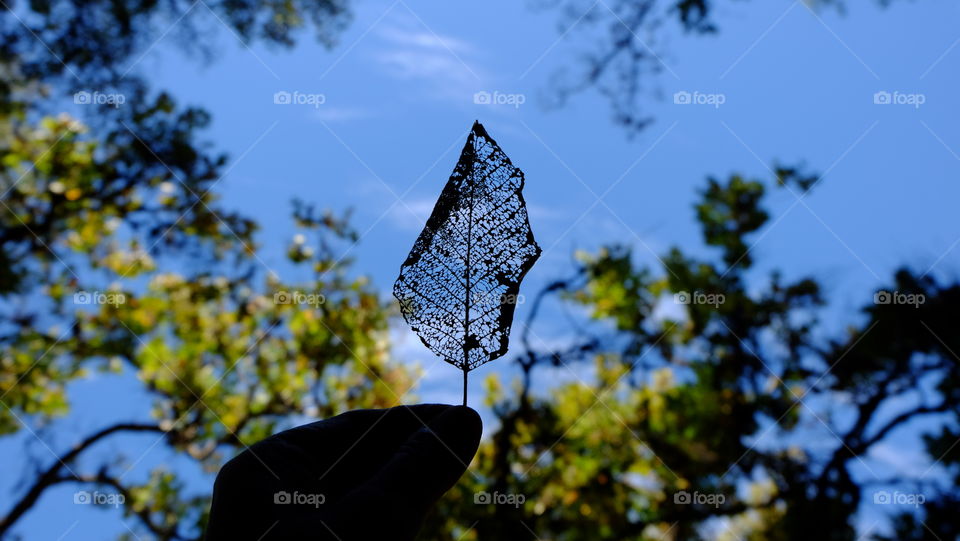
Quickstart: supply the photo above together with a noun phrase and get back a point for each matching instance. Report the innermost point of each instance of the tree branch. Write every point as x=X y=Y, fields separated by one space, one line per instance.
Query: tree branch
x=50 y=476
x=144 y=514
x=902 y=418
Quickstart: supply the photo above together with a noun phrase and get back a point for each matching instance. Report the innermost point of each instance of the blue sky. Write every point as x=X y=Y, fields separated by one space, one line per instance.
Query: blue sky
x=398 y=100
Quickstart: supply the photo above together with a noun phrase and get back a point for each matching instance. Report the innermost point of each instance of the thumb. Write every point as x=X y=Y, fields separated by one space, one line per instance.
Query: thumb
x=421 y=470
x=433 y=458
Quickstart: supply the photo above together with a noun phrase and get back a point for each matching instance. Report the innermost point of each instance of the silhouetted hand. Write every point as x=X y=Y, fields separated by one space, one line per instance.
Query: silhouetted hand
x=363 y=475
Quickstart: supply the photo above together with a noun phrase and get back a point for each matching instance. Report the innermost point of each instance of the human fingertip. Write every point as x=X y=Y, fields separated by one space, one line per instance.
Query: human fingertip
x=468 y=418
x=460 y=429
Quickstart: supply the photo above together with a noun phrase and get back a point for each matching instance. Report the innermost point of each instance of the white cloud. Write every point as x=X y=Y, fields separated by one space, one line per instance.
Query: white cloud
x=414 y=53
x=423 y=38
x=540 y=212
x=412 y=215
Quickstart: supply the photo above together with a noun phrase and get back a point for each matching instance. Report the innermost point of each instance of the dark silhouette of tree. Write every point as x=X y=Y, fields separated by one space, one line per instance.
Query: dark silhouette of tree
x=626 y=55
x=734 y=411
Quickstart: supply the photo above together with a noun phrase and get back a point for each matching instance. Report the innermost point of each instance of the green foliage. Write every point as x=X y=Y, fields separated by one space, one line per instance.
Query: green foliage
x=720 y=401
x=720 y=394
x=116 y=257
x=227 y=362
x=729 y=213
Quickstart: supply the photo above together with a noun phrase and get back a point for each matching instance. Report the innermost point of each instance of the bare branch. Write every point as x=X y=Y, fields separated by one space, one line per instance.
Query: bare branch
x=51 y=475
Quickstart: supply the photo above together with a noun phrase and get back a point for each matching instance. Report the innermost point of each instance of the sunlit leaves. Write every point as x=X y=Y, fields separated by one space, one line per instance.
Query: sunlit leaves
x=674 y=394
x=224 y=362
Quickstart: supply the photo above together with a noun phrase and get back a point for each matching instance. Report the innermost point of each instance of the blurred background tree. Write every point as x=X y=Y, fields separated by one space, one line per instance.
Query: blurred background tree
x=101 y=208
x=697 y=422
x=625 y=63
x=680 y=404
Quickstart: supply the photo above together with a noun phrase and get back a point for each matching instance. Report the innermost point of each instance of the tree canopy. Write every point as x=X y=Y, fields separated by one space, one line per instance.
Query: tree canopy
x=707 y=382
